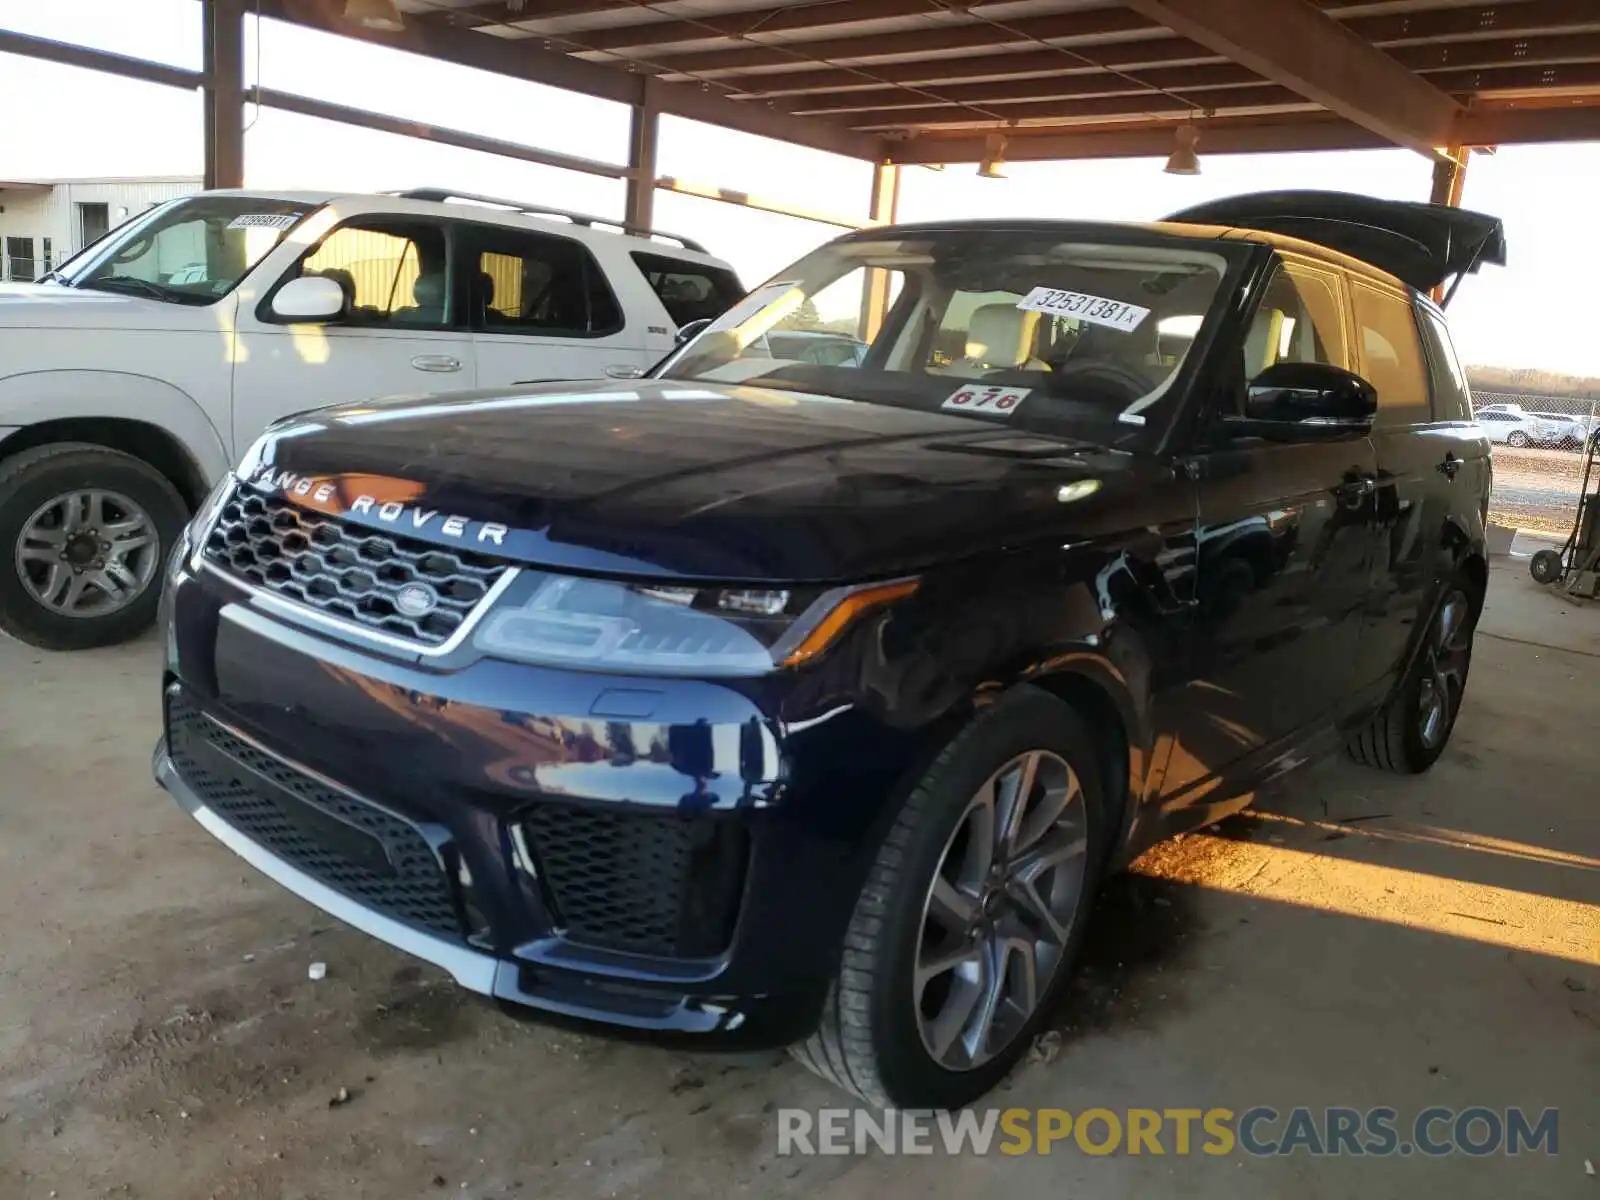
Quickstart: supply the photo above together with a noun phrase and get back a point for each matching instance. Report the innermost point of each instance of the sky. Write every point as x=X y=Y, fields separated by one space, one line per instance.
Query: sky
x=83 y=124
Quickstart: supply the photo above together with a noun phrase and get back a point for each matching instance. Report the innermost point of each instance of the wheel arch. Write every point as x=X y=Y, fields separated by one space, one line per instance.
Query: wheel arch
x=1097 y=695
x=172 y=432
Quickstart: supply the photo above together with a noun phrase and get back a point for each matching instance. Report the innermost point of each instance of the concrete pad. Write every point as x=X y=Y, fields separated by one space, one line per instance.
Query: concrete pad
x=1358 y=939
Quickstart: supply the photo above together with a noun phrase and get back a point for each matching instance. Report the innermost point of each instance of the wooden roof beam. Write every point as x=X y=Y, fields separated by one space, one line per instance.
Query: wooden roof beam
x=1300 y=47
x=1095 y=26
x=1487 y=125
x=1146 y=104
x=1062 y=85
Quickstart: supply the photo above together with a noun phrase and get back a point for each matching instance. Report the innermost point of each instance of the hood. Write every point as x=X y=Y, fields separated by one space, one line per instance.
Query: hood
x=717 y=483
x=53 y=306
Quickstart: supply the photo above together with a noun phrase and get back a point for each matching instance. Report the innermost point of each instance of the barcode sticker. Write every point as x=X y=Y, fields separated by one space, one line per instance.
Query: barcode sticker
x=1096 y=310
x=263 y=221
x=976 y=397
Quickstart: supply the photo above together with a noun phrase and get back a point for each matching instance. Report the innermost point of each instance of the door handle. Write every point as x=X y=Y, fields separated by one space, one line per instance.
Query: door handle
x=624 y=371
x=436 y=362
x=1450 y=465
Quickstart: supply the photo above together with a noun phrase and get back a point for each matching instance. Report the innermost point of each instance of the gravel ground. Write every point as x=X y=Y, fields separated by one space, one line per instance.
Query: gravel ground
x=1536 y=489
x=1363 y=940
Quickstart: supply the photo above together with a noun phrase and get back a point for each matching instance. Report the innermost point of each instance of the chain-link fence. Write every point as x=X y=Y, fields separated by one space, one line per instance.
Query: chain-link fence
x=1538 y=476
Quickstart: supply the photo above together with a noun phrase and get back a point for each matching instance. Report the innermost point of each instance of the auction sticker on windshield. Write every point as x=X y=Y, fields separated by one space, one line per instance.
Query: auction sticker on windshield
x=1097 y=310
x=999 y=401
x=263 y=221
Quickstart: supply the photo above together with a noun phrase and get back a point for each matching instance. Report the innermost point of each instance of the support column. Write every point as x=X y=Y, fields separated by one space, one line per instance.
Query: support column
x=881 y=210
x=646 y=119
x=222 y=39
x=1449 y=177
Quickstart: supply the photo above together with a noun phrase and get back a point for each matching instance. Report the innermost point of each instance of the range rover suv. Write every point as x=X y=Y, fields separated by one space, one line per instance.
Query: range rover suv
x=772 y=702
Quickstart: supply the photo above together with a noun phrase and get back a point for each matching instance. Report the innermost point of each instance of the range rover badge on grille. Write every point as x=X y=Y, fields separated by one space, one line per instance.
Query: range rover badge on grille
x=416 y=600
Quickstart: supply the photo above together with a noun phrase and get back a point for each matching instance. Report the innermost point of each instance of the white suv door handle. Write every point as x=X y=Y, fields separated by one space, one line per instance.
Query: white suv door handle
x=436 y=362
x=624 y=371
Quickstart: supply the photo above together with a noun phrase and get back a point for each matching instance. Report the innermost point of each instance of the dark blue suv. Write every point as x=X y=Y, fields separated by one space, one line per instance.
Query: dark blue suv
x=777 y=702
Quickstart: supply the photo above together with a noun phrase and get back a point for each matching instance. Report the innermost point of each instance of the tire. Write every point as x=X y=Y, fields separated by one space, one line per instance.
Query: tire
x=1516 y=439
x=872 y=1037
x=127 y=487
x=1402 y=737
x=1545 y=566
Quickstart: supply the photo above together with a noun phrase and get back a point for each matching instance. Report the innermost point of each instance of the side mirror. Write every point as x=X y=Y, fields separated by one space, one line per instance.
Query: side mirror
x=690 y=330
x=1292 y=401
x=309 y=298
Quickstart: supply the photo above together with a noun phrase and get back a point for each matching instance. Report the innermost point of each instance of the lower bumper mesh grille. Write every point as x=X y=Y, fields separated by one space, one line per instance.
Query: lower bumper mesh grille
x=371 y=856
x=640 y=882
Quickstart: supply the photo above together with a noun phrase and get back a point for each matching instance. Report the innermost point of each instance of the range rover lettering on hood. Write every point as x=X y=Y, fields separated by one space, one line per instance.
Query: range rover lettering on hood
x=323 y=491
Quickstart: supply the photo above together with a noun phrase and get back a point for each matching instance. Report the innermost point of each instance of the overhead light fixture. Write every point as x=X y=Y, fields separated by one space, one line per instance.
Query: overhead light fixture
x=994 y=157
x=1183 y=160
x=382 y=15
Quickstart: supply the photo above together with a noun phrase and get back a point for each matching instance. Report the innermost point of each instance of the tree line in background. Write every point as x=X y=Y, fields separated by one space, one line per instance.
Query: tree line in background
x=1532 y=381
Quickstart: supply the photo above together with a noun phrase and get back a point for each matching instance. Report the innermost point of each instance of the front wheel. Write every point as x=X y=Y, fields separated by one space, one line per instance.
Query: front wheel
x=1411 y=731
x=970 y=922
x=84 y=532
x=1517 y=439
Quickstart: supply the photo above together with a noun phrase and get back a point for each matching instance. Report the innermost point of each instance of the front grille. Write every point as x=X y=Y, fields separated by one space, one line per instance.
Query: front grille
x=639 y=882
x=345 y=570
x=377 y=859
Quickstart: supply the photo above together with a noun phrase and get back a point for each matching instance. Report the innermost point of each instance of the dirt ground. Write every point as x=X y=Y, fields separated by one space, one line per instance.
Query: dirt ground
x=1361 y=940
x=1537 y=489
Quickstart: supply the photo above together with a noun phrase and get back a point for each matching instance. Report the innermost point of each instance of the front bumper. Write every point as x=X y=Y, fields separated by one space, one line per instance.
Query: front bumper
x=472 y=771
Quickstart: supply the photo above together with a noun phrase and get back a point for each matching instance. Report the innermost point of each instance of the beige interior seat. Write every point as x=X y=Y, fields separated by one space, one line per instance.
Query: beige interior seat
x=999 y=337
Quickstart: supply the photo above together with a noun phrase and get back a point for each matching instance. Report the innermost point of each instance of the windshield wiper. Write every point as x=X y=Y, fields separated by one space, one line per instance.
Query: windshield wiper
x=128 y=283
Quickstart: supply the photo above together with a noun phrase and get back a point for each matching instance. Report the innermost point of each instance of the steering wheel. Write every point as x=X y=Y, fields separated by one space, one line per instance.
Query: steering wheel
x=1119 y=382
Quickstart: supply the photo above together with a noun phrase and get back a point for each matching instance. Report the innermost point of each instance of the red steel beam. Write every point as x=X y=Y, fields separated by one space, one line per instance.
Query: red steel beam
x=1298 y=46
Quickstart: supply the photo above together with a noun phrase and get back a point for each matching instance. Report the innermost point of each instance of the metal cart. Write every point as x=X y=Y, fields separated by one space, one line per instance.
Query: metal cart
x=1574 y=565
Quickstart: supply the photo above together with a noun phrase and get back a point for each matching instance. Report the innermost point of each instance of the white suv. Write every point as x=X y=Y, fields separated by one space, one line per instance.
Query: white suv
x=134 y=374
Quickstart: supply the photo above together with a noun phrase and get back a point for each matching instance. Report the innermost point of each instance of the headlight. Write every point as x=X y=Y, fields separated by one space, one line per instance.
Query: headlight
x=669 y=629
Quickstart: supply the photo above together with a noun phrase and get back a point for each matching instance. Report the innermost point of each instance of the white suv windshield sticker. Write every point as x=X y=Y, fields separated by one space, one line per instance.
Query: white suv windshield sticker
x=263 y=221
x=1097 y=310
x=976 y=397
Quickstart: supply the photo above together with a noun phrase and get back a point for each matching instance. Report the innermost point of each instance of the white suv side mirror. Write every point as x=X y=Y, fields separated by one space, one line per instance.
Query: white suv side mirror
x=309 y=298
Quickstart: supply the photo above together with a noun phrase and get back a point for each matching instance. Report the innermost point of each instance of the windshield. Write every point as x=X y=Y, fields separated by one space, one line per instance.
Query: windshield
x=1029 y=327
x=191 y=251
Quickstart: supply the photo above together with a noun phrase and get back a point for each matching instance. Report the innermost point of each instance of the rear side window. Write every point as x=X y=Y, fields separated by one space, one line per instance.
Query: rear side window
x=1452 y=401
x=1391 y=358
x=689 y=291
x=527 y=283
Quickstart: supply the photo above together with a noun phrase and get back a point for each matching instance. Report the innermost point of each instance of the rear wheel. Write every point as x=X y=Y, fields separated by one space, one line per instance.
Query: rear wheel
x=969 y=924
x=84 y=532
x=1411 y=731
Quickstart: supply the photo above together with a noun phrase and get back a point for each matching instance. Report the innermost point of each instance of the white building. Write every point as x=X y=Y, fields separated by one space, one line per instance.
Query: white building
x=44 y=221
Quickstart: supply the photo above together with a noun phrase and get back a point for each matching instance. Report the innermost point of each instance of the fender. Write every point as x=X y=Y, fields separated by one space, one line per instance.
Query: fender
x=35 y=396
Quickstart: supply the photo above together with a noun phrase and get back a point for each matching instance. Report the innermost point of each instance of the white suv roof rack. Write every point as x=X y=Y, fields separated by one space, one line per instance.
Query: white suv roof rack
x=445 y=195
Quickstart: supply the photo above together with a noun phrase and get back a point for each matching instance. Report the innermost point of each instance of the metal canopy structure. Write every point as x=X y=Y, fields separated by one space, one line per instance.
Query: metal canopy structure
x=944 y=81
x=927 y=80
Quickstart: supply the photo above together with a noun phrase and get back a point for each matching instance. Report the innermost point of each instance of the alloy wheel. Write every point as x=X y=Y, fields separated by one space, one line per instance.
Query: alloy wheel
x=1000 y=909
x=87 y=553
x=1444 y=669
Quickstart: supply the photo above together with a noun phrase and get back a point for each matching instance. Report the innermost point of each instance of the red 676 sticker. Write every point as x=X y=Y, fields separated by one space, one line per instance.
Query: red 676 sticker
x=997 y=401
